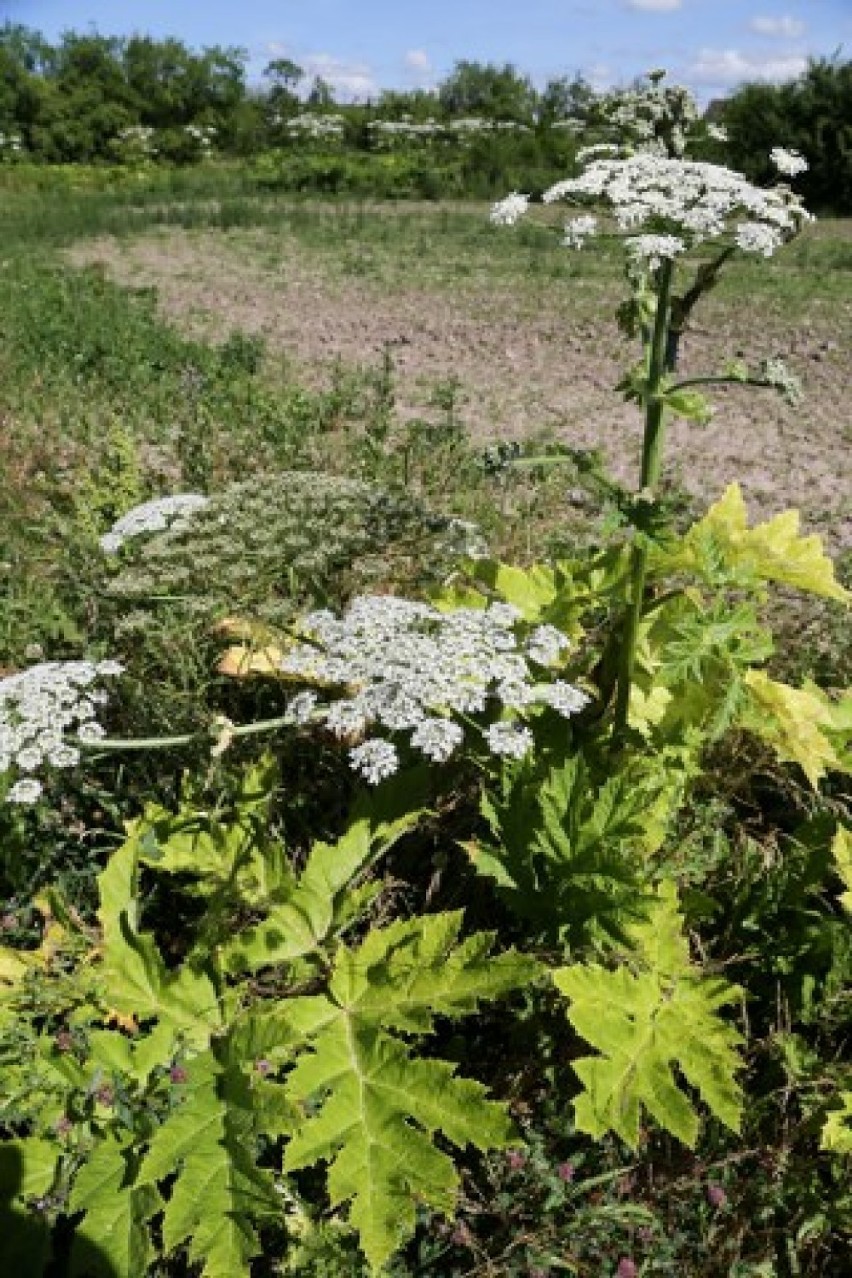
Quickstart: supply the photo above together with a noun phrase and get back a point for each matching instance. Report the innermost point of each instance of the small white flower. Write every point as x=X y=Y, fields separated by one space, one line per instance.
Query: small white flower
x=90 y=732
x=776 y=373
x=109 y=668
x=437 y=738
x=789 y=163
x=578 y=230
x=565 y=698
x=301 y=707
x=546 y=645
x=654 y=248
x=757 y=237
x=374 y=760
x=345 y=718
x=508 y=739
x=62 y=756
x=151 y=516
x=26 y=791
x=508 y=211
x=29 y=758
x=44 y=706
x=717 y=132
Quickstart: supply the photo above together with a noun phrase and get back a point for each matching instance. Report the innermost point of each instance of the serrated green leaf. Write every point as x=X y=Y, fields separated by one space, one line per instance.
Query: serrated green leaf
x=135 y=976
x=208 y=1141
x=372 y=1108
x=570 y=853
x=116 y=1215
x=404 y=975
x=322 y=897
x=772 y=551
x=646 y=1020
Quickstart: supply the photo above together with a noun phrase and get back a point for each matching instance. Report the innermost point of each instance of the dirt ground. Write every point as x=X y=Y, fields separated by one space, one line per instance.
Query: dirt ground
x=524 y=363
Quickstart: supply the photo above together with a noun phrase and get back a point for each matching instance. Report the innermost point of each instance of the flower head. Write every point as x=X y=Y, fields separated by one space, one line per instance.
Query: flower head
x=789 y=163
x=673 y=199
x=508 y=211
x=151 y=516
x=578 y=230
x=392 y=665
x=41 y=707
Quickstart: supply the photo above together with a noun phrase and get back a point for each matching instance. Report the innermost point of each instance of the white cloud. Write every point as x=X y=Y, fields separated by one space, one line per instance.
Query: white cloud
x=787 y=28
x=655 y=6
x=351 y=79
x=728 y=67
x=418 y=60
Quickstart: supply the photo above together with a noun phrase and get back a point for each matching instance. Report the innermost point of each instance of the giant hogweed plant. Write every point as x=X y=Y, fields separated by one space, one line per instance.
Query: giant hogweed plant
x=169 y=1104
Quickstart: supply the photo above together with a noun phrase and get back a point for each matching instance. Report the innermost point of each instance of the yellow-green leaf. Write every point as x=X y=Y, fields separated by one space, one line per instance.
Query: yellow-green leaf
x=841 y=850
x=772 y=551
x=793 y=721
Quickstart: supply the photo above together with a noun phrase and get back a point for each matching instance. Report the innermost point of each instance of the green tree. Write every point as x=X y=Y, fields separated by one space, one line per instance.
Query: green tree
x=563 y=98
x=484 y=89
x=812 y=114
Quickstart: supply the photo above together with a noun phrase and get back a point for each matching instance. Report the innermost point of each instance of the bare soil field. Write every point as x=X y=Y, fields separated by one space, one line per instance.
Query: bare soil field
x=529 y=355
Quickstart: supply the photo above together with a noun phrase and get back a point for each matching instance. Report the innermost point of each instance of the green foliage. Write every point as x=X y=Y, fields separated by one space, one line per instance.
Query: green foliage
x=571 y=853
x=837 y=1130
x=811 y=113
x=172 y=1111
x=656 y=1013
x=722 y=550
x=382 y=1107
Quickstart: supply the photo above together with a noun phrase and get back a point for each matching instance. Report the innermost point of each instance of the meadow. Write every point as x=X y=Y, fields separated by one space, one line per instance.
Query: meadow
x=220 y=942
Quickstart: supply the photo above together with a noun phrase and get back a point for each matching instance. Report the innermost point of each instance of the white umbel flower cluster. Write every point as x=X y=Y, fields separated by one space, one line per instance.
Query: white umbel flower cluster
x=687 y=199
x=788 y=163
x=40 y=709
x=579 y=229
x=651 y=249
x=151 y=516
x=407 y=667
x=508 y=211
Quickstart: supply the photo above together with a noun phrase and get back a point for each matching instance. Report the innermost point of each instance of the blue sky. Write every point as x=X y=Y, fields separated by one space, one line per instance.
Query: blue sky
x=709 y=44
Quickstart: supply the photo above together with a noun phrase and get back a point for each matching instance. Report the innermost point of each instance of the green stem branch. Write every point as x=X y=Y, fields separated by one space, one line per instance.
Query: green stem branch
x=186 y=738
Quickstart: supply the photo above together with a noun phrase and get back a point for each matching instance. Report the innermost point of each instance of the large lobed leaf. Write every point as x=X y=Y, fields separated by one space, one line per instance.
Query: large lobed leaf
x=372 y=1109
x=773 y=551
x=208 y=1141
x=569 y=853
x=795 y=722
x=647 y=1020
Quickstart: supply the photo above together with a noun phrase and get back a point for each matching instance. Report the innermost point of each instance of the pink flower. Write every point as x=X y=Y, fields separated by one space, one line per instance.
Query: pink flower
x=516 y=1158
x=716 y=1196
x=566 y=1172
x=627 y=1268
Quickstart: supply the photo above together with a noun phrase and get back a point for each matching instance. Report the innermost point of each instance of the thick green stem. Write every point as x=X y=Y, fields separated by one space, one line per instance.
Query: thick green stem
x=652 y=455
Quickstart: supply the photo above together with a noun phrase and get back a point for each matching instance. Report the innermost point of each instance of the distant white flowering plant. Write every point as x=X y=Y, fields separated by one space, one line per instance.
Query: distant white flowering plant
x=788 y=163
x=46 y=713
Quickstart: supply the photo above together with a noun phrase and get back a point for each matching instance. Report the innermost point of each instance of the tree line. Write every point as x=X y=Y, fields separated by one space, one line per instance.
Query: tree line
x=91 y=98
